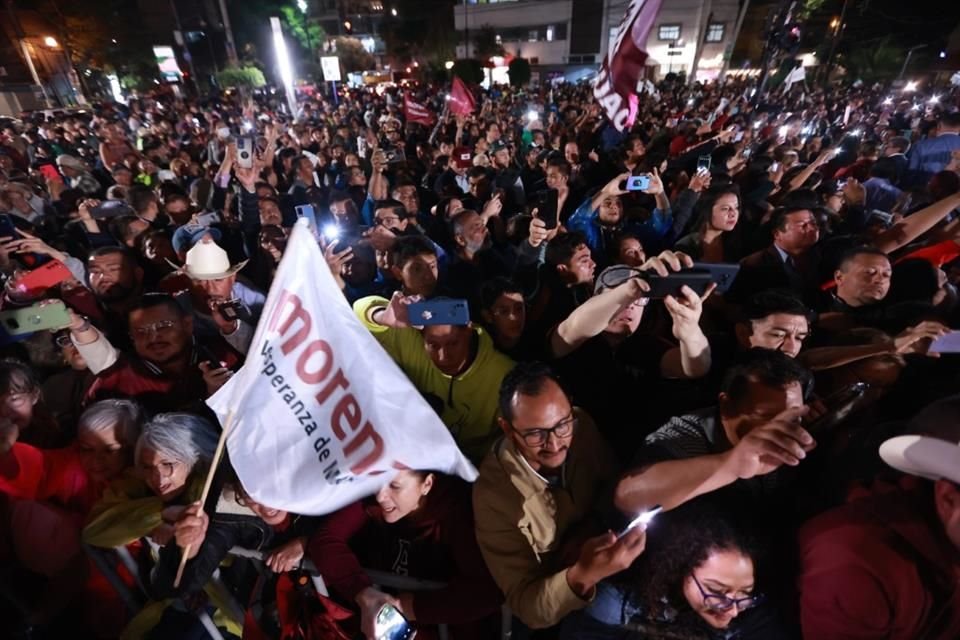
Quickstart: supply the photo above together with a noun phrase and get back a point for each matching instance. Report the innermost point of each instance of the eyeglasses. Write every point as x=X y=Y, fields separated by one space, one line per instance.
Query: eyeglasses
x=165 y=469
x=63 y=341
x=386 y=221
x=147 y=330
x=539 y=437
x=717 y=602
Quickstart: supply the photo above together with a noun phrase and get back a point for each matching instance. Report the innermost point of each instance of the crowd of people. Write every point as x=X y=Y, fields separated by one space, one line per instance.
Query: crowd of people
x=791 y=436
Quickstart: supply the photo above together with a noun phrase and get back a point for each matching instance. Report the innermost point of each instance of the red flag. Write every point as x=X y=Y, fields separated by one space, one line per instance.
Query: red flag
x=461 y=101
x=416 y=112
x=623 y=67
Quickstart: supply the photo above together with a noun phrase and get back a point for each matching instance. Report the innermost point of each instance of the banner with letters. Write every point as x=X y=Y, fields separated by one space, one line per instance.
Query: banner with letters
x=622 y=68
x=321 y=415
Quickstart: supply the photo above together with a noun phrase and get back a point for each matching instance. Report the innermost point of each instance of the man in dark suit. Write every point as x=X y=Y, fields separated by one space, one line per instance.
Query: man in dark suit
x=896 y=150
x=789 y=263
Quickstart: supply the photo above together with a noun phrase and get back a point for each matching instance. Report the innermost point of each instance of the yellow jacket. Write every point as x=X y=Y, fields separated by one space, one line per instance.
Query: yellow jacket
x=467 y=403
x=522 y=523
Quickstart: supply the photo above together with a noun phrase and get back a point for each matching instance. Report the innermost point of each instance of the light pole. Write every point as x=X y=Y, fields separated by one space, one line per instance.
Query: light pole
x=907 y=60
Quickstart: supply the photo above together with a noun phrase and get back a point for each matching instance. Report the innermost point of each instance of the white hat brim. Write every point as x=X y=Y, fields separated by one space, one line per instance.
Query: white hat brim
x=208 y=276
x=930 y=458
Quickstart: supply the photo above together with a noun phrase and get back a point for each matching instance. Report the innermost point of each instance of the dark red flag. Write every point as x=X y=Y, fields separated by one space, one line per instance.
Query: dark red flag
x=461 y=101
x=416 y=112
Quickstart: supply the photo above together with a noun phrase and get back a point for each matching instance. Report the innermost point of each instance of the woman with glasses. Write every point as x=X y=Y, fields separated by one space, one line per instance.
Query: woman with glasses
x=697 y=579
x=21 y=403
x=420 y=524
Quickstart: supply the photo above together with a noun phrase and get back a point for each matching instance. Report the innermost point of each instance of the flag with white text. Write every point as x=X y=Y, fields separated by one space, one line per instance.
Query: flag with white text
x=623 y=67
x=321 y=415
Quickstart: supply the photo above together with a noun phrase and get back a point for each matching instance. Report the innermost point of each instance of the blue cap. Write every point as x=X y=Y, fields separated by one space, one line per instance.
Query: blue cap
x=189 y=234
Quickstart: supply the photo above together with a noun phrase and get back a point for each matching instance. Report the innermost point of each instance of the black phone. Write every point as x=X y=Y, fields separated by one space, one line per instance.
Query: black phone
x=547 y=211
x=7 y=228
x=722 y=274
x=839 y=407
x=663 y=286
x=232 y=310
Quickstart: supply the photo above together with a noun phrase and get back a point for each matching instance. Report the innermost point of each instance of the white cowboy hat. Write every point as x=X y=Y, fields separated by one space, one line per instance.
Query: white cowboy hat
x=924 y=456
x=208 y=261
x=72 y=162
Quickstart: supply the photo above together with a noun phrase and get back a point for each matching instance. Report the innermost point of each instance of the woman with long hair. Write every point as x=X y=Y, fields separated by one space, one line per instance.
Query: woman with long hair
x=715 y=238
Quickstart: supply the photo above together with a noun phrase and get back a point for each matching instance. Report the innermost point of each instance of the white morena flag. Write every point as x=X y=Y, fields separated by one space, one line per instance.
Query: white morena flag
x=321 y=415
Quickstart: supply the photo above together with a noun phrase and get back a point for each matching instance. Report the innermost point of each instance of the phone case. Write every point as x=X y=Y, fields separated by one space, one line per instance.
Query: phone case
x=36 y=318
x=663 y=286
x=548 y=213
x=433 y=312
x=722 y=274
x=41 y=278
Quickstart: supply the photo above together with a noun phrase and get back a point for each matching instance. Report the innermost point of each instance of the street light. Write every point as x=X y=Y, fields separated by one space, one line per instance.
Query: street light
x=448 y=65
x=302 y=5
x=51 y=42
x=393 y=12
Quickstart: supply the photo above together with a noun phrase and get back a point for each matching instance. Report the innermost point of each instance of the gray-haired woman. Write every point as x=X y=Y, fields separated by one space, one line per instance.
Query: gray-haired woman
x=171 y=459
x=106 y=435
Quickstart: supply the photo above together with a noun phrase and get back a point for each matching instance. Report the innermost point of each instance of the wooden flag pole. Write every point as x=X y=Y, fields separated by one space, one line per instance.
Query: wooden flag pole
x=206 y=489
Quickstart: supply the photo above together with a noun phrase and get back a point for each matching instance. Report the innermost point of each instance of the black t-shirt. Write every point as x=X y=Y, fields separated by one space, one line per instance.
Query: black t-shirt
x=618 y=387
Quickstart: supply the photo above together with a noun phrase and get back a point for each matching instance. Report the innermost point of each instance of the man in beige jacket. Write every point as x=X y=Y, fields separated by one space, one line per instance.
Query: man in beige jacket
x=535 y=500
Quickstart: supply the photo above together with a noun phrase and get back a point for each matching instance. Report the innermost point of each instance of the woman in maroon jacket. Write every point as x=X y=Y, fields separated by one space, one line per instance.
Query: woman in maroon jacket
x=418 y=525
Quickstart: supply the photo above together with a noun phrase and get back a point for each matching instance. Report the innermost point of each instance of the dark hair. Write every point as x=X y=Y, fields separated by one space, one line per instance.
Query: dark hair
x=527 y=379
x=17 y=377
x=123 y=252
x=767 y=303
x=767 y=367
x=681 y=540
x=477 y=172
x=393 y=206
x=561 y=164
x=706 y=201
x=563 y=246
x=852 y=254
x=119 y=227
x=140 y=198
x=914 y=280
x=885 y=168
x=899 y=143
x=491 y=290
x=950 y=119
x=778 y=221
x=408 y=247
x=153 y=300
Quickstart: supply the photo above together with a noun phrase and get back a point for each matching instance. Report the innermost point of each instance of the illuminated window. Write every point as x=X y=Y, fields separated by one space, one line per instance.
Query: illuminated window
x=715 y=32
x=668 y=32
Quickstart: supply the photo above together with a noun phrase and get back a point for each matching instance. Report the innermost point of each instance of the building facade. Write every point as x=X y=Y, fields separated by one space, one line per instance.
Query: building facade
x=571 y=37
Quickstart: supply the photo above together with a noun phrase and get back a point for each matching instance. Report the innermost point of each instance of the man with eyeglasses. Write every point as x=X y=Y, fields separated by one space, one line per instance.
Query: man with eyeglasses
x=168 y=370
x=535 y=502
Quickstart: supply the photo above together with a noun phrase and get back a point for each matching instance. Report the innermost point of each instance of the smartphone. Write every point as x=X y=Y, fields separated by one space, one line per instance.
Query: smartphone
x=883 y=216
x=547 y=211
x=331 y=232
x=50 y=172
x=949 y=343
x=39 y=317
x=439 y=311
x=391 y=625
x=362 y=146
x=7 y=228
x=839 y=406
x=637 y=183
x=721 y=274
x=394 y=156
x=774 y=167
x=42 y=278
x=747 y=153
x=110 y=209
x=663 y=286
x=245 y=152
x=208 y=218
x=233 y=310
x=307 y=211
x=703 y=164
x=738 y=137
x=644 y=518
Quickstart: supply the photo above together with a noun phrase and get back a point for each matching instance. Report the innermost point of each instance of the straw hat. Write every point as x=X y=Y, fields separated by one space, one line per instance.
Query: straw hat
x=208 y=261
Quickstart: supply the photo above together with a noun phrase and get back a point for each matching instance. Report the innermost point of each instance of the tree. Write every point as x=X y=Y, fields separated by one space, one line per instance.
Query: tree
x=241 y=78
x=485 y=44
x=353 y=57
x=469 y=70
x=519 y=72
x=870 y=63
x=310 y=35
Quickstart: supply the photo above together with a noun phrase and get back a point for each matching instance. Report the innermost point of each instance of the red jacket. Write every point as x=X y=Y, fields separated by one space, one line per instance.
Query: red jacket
x=879 y=567
x=436 y=542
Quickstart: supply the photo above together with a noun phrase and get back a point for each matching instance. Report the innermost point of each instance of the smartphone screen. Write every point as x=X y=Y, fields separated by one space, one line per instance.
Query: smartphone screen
x=638 y=183
x=703 y=164
x=391 y=625
x=548 y=209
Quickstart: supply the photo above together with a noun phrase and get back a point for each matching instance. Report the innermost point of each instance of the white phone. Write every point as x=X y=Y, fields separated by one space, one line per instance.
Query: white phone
x=245 y=153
